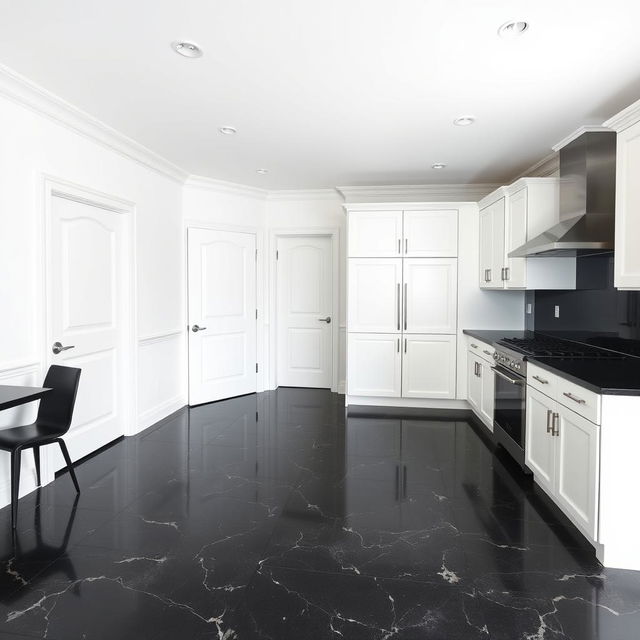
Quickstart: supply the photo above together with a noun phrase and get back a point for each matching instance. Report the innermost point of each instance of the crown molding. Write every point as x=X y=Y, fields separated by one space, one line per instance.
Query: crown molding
x=588 y=128
x=548 y=166
x=304 y=194
x=417 y=193
x=222 y=186
x=19 y=89
x=624 y=118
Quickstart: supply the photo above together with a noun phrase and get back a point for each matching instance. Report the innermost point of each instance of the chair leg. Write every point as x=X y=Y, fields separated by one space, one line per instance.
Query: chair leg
x=36 y=457
x=15 y=485
x=67 y=459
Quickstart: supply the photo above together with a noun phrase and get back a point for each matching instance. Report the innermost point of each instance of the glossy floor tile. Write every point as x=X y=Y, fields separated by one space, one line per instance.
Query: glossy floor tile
x=273 y=516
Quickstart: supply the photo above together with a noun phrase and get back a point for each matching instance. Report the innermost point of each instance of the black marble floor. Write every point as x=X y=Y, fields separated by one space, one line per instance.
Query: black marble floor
x=269 y=516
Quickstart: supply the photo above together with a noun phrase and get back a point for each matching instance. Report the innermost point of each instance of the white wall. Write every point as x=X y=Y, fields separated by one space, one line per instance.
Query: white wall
x=34 y=145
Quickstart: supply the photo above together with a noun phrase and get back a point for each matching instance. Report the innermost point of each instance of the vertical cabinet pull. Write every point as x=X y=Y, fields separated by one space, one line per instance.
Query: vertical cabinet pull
x=556 y=425
x=488 y=275
x=398 y=306
x=507 y=273
x=549 y=414
x=398 y=345
x=405 y=306
x=405 y=345
x=406 y=245
x=399 y=241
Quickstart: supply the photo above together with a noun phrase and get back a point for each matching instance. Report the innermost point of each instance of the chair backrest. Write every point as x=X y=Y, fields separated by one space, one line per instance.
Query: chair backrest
x=56 y=406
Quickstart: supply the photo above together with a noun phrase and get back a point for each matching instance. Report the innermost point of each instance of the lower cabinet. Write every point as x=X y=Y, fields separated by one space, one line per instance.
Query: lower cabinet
x=481 y=388
x=562 y=450
x=394 y=366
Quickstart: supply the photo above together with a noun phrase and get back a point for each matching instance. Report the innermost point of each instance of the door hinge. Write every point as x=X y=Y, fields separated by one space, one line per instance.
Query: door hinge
x=256 y=367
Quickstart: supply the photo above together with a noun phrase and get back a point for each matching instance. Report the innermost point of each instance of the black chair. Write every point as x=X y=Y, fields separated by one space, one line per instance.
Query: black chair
x=53 y=421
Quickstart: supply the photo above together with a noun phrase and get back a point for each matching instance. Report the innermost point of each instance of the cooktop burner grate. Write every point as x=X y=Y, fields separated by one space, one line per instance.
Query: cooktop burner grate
x=550 y=347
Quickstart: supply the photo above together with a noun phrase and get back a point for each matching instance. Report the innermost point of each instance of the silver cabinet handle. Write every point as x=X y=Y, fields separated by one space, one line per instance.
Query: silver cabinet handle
x=556 y=425
x=196 y=328
x=406 y=245
x=405 y=345
x=507 y=273
x=58 y=347
x=507 y=378
x=398 y=345
x=399 y=306
x=405 y=305
x=574 y=398
x=475 y=346
x=540 y=380
x=327 y=319
x=549 y=414
x=399 y=250
x=487 y=352
x=502 y=274
x=488 y=275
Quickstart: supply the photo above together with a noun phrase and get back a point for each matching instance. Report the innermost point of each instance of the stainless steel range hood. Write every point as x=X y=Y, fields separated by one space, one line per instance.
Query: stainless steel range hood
x=587 y=201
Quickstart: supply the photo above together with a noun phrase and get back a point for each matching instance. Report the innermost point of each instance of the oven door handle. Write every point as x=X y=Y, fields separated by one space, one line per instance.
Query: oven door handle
x=507 y=378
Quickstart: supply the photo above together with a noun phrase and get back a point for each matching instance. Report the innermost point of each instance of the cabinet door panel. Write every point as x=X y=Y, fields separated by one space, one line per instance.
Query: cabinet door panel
x=492 y=245
x=474 y=382
x=375 y=295
x=486 y=246
x=487 y=392
x=540 y=444
x=429 y=366
x=515 y=236
x=374 y=365
x=375 y=234
x=577 y=470
x=430 y=295
x=431 y=234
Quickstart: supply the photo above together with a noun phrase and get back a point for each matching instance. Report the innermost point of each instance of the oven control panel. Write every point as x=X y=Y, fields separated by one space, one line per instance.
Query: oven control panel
x=514 y=362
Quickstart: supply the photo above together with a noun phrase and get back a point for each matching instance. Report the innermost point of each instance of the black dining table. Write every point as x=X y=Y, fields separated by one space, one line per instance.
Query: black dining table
x=12 y=396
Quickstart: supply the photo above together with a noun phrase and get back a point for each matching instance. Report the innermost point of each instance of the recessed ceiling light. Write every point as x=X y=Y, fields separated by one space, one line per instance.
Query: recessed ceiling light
x=187 y=49
x=262 y=171
x=438 y=165
x=513 y=28
x=464 y=121
x=227 y=131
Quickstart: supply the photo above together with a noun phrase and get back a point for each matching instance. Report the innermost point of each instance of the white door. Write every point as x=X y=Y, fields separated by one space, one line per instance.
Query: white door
x=374 y=365
x=375 y=234
x=430 y=296
x=222 y=315
x=431 y=234
x=304 y=312
x=515 y=274
x=375 y=295
x=429 y=366
x=577 y=469
x=487 y=392
x=87 y=302
x=539 y=442
x=474 y=382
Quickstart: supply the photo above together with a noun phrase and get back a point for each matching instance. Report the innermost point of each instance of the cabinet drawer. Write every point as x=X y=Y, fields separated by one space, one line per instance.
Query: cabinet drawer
x=583 y=401
x=481 y=349
x=542 y=380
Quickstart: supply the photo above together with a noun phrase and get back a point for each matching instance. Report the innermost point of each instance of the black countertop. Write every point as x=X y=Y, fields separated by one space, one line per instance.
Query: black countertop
x=618 y=376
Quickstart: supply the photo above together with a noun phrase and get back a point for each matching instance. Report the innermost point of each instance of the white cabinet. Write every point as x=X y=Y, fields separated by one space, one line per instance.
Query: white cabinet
x=430 y=295
x=374 y=365
x=431 y=234
x=375 y=234
x=375 y=295
x=429 y=366
x=515 y=235
x=481 y=381
x=562 y=450
x=492 y=244
x=627 y=256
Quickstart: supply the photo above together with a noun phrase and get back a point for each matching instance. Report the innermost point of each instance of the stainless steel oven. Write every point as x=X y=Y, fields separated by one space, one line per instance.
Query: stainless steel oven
x=509 y=421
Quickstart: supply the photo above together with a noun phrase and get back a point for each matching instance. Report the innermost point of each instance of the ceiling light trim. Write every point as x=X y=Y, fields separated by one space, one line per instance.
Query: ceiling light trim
x=28 y=94
x=464 y=121
x=187 y=49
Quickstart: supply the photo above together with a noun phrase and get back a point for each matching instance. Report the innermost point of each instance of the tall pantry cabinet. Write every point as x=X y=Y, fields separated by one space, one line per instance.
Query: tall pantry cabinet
x=402 y=303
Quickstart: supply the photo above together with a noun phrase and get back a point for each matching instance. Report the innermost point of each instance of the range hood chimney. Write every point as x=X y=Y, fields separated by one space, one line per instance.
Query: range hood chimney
x=587 y=201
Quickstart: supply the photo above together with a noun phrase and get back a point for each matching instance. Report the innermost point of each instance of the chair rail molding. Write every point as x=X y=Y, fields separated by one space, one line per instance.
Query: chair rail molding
x=19 y=89
x=160 y=336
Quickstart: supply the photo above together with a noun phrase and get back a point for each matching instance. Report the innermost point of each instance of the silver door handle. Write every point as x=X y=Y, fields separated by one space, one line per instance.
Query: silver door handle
x=507 y=378
x=488 y=275
x=487 y=352
x=405 y=306
x=406 y=245
x=327 y=319
x=196 y=328
x=59 y=348
x=540 y=380
x=399 y=306
x=556 y=425
x=549 y=414
x=502 y=276
x=507 y=273
x=574 y=398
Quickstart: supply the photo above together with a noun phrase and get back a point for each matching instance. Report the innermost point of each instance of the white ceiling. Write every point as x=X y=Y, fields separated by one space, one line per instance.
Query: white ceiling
x=334 y=92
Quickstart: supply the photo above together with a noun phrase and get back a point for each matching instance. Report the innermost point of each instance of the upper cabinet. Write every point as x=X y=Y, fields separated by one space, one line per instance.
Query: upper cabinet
x=627 y=256
x=511 y=216
x=410 y=233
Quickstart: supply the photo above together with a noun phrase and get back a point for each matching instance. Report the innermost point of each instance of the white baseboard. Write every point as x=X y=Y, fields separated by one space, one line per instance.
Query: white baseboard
x=342 y=387
x=416 y=403
x=153 y=415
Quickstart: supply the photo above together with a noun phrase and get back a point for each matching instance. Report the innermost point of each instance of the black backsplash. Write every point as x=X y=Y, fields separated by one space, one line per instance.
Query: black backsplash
x=596 y=309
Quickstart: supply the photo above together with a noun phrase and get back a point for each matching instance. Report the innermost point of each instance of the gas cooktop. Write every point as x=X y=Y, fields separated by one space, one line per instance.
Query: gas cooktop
x=554 y=348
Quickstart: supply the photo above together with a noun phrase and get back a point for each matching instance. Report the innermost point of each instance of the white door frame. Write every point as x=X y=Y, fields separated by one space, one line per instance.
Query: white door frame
x=261 y=358
x=53 y=187
x=333 y=233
